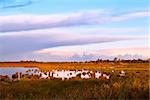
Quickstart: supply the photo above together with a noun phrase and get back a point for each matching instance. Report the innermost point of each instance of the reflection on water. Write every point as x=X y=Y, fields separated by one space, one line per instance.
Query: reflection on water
x=12 y=70
x=21 y=72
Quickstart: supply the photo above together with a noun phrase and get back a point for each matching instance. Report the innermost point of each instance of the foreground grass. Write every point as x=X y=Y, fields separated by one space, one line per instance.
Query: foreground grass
x=134 y=86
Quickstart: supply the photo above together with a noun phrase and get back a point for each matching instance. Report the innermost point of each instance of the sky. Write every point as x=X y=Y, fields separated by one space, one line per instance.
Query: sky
x=74 y=30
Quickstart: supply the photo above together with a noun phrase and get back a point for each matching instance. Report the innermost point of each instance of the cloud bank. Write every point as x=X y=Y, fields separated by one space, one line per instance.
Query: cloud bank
x=20 y=42
x=69 y=55
x=73 y=52
x=14 y=23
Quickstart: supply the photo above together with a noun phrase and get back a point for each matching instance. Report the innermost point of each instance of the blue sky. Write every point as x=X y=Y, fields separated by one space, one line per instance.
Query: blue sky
x=66 y=30
x=57 y=6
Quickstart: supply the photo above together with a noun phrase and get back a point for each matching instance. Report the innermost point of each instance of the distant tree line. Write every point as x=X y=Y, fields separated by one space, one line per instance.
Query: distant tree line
x=117 y=60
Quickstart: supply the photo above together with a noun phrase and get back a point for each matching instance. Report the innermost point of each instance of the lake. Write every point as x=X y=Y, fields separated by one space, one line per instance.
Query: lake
x=12 y=70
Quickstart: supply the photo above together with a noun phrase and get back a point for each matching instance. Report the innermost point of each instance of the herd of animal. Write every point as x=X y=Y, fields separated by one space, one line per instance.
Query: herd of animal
x=63 y=74
x=66 y=74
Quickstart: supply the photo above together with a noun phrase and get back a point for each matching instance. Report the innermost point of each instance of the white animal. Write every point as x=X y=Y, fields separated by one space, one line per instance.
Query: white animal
x=106 y=76
x=91 y=72
x=98 y=74
x=122 y=73
x=62 y=74
x=44 y=76
x=86 y=76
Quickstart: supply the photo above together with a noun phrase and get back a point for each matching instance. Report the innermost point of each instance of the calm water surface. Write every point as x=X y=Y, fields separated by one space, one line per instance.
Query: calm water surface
x=12 y=70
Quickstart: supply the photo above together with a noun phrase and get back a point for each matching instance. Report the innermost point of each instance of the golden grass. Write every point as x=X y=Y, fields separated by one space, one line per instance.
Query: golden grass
x=79 y=66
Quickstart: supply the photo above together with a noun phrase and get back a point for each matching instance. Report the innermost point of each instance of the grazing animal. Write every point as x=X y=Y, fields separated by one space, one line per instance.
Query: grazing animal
x=86 y=76
x=106 y=76
x=98 y=74
x=44 y=76
x=3 y=78
x=15 y=76
x=122 y=73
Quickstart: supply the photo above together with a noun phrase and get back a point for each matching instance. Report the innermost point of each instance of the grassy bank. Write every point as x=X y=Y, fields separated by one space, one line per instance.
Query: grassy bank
x=134 y=86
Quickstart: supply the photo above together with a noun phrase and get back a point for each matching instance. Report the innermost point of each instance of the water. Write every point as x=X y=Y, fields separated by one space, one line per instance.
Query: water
x=12 y=70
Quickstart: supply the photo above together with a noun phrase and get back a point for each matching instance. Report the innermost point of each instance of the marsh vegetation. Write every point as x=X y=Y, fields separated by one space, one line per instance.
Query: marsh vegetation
x=128 y=81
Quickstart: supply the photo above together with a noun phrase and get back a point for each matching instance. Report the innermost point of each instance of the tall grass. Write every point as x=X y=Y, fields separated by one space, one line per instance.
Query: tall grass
x=134 y=86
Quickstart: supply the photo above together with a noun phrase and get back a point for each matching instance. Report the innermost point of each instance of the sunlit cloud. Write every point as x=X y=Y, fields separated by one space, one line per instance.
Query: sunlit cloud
x=82 y=54
x=20 y=42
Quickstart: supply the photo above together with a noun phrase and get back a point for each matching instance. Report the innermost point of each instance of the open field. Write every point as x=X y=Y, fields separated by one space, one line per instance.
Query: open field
x=78 y=66
x=133 y=86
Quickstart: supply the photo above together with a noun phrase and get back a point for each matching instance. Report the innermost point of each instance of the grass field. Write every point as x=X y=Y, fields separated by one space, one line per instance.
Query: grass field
x=79 y=66
x=134 y=86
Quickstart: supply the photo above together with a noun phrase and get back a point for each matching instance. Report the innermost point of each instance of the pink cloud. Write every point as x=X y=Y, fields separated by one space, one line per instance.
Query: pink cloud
x=69 y=52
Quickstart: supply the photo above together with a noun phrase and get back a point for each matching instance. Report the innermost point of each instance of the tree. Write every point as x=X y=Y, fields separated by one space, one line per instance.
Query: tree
x=115 y=59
